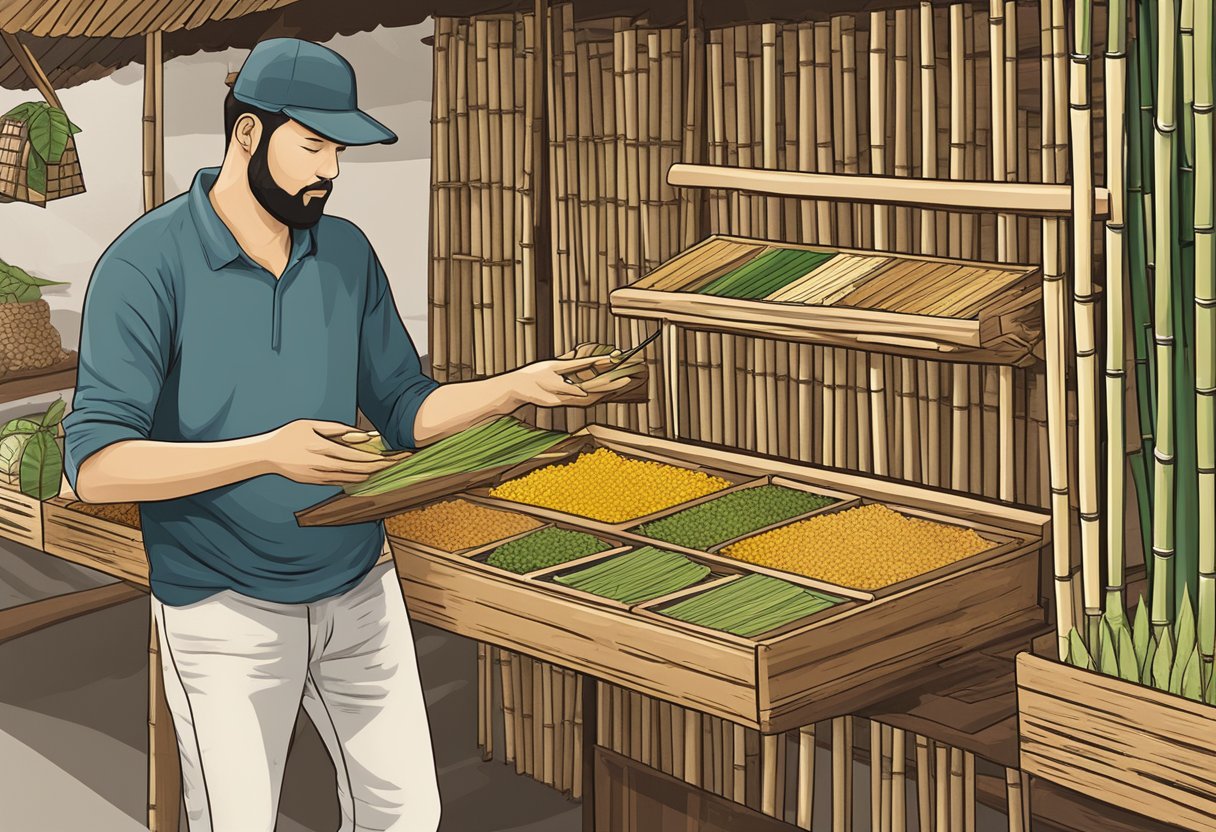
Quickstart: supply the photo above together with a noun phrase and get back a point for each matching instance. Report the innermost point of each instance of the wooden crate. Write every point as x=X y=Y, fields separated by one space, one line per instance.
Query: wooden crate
x=1122 y=743
x=831 y=663
x=20 y=516
x=92 y=541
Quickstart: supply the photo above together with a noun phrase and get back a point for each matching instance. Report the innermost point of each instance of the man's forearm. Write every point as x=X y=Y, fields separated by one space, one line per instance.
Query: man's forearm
x=450 y=408
x=142 y=470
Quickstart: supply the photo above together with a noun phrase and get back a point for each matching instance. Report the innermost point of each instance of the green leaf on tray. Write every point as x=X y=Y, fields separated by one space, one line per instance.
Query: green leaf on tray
x=41 y=466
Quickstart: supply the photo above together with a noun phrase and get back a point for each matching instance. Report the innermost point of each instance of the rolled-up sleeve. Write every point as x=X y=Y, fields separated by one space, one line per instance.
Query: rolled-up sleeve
x=124 y=352
x=391 y=384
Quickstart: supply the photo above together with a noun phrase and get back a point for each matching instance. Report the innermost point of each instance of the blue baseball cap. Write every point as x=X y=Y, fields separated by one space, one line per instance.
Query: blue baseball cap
x=311 y=84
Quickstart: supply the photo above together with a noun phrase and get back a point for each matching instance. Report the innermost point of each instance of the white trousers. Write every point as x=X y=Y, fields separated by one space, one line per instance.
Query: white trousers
x=236 y=672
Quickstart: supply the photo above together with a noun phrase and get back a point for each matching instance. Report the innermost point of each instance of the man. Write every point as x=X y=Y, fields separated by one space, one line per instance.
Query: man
x=228 y=337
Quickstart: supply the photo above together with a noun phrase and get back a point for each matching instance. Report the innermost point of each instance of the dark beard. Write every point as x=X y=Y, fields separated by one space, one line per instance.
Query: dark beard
x=285 y=207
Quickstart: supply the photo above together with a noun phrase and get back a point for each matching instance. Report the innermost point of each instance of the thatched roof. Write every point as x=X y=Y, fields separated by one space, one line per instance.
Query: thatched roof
x=82 y=40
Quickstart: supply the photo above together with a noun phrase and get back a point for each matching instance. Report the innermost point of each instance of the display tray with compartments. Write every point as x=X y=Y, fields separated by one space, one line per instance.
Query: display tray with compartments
x=868 y=646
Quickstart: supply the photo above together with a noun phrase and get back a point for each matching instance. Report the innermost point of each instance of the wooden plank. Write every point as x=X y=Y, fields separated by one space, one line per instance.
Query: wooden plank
x=1012 y=197
x=164 y=764
x=20 y=517
x=100 y=544
x=1122 y=743
x=36 y=615
x=23 y=384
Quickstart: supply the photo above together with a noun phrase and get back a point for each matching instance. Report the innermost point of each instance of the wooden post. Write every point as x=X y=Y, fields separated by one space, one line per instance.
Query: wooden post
x=154 y=122
x=164 y=766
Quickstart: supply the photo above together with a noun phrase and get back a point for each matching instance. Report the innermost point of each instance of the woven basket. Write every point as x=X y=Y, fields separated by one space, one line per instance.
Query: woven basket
x=63 y=179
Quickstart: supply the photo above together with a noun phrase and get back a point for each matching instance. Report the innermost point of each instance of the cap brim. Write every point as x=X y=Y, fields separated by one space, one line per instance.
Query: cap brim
x=350 y=127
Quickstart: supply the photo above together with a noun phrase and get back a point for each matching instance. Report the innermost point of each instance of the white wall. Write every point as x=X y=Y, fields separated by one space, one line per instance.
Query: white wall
x=384 y=188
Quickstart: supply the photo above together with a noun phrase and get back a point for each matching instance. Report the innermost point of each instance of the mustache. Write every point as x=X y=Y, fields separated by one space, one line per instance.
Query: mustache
x=320 y=185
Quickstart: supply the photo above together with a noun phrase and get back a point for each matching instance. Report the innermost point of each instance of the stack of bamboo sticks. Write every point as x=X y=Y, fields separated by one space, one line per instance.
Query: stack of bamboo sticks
x=483 y=196
x=542 y=717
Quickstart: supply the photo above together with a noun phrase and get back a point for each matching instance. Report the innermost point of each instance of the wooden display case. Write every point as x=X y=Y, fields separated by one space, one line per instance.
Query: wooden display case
x=827 y=664
x=1142 y=749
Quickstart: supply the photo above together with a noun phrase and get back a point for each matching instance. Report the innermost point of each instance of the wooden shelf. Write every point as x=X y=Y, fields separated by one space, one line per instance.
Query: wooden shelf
x=830 y=663
x=26 y=383
x=912 y=306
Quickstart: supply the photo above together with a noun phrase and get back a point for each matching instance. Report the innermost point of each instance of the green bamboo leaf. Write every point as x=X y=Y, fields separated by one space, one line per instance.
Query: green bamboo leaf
x=1108 y=661
x=59 y=133
x=1184 y=635
x=35 y=173
x=1141 y=635
x=1190 y=684
x=1128 y=668
x=1163 y=661
x=1078 y=655
x=1150 y=655
x=54 y=413
x=41 y=466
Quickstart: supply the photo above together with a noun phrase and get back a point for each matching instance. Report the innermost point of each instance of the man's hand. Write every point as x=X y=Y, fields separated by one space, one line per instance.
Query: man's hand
x=309 y=451
x=544 y=383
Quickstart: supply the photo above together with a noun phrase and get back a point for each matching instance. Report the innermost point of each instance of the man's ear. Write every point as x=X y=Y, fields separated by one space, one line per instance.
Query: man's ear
x=247 y=132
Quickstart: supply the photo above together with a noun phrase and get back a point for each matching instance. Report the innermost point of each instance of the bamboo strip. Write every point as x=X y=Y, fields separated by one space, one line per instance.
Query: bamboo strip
x=970 y=226
x=875 y=777
x=806 y=777
x=899 y=795
x=848 y=70
x=902 y=104
x=884 y=815
x=483 y=706
x=547 y=736
x=1013 y=802
x=824 y=142
x=942 y=781
x=928 y=135
x=576 y=775
x=768 y=803
x=957 y=120
x=692 y=747
x=806 y=125
x=957 y=788
x=739 y=763
x=969 y=792
x=842 y=774
x=924 y=783
x=561 y=726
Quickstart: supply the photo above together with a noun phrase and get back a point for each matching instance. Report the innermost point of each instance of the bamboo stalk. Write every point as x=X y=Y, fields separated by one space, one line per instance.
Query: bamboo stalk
x=903 y=135
x=1205 y=327
x=806 y=777
x=482 y=705
x=1013 y=801
x=848 y=71
x=884 y=804
x=1115 y=372
x=1165 y=125
x=692 y=747
x=899 y=795
x=547 y=736
x=739 y=764
x=924 y=784
x=771 y=746
x=942 y=781
x=957 y=120
x=842 y=774
x=971 y=227
x=576 y=781
x=1081 y=133
x=561 y=726
x=506 y=674
x=824 y=144
x=928 y=98
x=968 y=792
x=875 y=779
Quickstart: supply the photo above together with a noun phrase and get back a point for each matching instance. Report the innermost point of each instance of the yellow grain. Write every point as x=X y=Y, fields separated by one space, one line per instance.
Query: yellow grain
x=458 y=524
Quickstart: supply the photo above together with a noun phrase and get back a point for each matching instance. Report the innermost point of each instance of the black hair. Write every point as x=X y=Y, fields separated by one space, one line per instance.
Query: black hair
x=235 y=108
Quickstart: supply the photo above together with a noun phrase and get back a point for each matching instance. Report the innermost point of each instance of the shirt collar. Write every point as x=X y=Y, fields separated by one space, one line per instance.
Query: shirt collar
x=219 y=246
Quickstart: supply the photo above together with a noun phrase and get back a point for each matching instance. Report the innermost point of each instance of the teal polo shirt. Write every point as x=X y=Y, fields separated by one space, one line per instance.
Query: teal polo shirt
x=185 y=339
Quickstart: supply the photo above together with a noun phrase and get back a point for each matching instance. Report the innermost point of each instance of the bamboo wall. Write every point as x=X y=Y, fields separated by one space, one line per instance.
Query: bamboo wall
x=952 y=92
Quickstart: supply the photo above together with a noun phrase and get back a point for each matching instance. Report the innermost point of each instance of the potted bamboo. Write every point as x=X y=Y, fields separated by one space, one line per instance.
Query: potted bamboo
x=1125 y=712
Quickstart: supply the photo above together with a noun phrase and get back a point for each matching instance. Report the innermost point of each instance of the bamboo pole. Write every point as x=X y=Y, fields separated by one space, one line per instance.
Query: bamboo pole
x=903 y=129
x=941 y=779
x=875 y=779
x=824 y=144
x=971 y=226
x=506 y=675
x=1018 y=821
x=899 y=795
x=957 y=121
x=968 y=792
x=482 y=705
x=739 y=764
x=1081 y=133
x=960 y=429
x=848 y=106
x=576 y=781
x=692 y=747
x=884 y=802
x=1205 y=327
x=153 y=119
x=1115 y=371
x=806 y=777
x=924 y=784
x=842 y=774
x=928 y=97
x=1165 y=125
